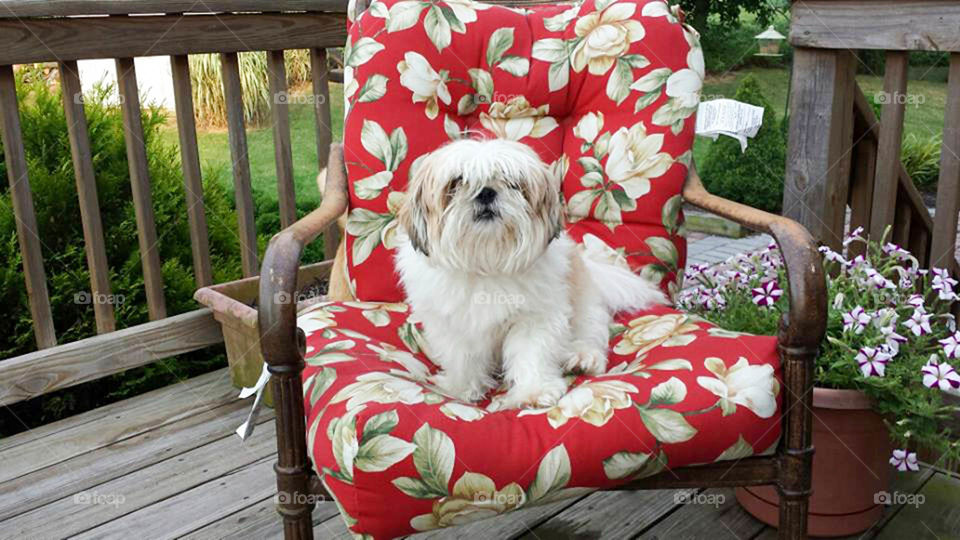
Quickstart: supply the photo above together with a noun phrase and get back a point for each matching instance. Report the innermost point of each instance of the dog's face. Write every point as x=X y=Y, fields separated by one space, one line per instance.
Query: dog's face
x=488 y=207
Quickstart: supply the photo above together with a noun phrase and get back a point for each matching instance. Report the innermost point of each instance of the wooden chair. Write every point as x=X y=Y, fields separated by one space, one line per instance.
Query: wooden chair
x=801 y=331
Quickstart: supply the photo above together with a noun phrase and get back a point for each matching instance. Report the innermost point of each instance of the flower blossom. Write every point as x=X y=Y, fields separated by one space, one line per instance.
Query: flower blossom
x=856 y=320
x=943 y=284
x=903 y=460
x=940 y=375
x=918 y=323
x=873 y=361
x=951 y=346
x=767 y=294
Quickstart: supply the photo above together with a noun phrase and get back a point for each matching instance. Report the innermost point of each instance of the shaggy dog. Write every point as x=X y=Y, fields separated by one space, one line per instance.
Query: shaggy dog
x=500 y=287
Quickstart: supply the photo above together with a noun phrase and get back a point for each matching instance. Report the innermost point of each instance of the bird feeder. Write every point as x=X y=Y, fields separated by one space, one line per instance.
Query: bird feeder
x=769 y=42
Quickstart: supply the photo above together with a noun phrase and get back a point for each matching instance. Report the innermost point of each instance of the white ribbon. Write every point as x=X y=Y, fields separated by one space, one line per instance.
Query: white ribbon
x=246 y=429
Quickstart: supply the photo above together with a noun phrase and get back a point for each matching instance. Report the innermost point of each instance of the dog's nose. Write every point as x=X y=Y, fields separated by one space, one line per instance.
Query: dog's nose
x=487 y=195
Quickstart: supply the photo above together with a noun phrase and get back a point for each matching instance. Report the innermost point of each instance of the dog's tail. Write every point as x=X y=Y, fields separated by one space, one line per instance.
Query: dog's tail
x=620 y=288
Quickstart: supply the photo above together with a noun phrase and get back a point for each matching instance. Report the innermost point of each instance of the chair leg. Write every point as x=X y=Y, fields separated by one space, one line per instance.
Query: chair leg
x=793 y=517
x=796 y=450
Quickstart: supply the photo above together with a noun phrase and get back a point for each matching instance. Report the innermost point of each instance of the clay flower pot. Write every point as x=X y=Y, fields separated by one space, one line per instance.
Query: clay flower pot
x=850 y=466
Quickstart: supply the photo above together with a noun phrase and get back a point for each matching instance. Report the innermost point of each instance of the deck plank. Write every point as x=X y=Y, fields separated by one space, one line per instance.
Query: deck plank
x=57 y=442
x=130 y=454
x=260 y=521
x=936 y=515
x=193 y=509
x=722 y=521
x=144 y=487
x=609 y=514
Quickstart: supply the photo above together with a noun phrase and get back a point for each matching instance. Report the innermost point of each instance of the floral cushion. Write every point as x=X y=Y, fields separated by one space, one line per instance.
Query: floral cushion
x=399 y=456
x=603 y=90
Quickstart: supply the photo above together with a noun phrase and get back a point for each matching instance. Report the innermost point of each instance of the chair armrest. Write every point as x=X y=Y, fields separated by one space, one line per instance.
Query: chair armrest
x=278 y=274
x=804 y=325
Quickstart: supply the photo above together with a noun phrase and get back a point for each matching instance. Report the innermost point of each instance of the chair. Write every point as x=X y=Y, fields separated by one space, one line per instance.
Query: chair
x=351 y=345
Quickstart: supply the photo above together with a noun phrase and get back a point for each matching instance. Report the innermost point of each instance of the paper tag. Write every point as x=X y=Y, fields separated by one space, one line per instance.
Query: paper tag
x=729 y=117
x=246 y=429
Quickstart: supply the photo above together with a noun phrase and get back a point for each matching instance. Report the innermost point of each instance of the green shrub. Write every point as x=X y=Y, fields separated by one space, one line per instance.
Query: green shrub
x=921 y=158
x=53 y=186
x=754 y=177
x=209 y=105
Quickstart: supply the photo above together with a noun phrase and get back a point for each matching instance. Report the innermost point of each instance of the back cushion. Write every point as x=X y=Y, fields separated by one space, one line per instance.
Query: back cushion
x=604 y=91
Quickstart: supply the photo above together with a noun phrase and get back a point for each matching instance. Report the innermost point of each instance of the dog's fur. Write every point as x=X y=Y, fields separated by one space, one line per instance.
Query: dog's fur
x=500 y=287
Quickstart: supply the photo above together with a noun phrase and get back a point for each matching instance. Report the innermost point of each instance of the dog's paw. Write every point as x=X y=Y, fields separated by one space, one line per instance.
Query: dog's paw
x=587 y=360
x=546 y=394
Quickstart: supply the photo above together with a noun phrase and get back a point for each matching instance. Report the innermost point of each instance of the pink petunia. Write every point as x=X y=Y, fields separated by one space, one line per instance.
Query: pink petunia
x=940 y=375
x=856 y=320
x=767 y=294
x=903 y=460
x=873 y=361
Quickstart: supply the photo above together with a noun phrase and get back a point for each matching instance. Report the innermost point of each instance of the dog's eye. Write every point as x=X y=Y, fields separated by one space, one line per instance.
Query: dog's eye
x=455 y=183
x=515 y=185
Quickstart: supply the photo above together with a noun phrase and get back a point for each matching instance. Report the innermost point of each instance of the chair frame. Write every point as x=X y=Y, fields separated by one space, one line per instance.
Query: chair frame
x=801 y=332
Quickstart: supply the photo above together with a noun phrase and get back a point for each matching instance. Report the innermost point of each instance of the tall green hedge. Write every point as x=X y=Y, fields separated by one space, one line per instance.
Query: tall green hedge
x=754 y=177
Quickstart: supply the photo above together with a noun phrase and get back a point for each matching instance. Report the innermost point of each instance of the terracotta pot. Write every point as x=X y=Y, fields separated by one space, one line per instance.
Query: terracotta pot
x=850 y=466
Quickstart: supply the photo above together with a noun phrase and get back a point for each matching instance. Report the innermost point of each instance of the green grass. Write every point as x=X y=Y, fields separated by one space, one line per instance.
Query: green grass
x=215 y=149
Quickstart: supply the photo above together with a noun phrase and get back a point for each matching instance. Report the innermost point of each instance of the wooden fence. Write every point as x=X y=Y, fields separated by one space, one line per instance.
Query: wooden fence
x=840 y=154
x=65 y=31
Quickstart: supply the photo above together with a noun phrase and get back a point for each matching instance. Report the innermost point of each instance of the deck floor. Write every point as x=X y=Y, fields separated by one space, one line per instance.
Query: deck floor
x=167 y=465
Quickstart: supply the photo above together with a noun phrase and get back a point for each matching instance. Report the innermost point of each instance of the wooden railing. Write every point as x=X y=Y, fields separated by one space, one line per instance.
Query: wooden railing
x=65 y=31
x=840 y=155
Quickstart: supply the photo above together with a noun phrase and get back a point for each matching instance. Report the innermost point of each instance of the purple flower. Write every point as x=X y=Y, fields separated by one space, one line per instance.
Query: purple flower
x=916 y=301
x=951 y=346
x=873 y=361
x=856 y=320
x=832 y=255
x=918 y=323
x=943 y=284
x=940 y=375
x=766 y=294
x=878 y=281
x=893 y=339
x=854 y=235
x=903 y=460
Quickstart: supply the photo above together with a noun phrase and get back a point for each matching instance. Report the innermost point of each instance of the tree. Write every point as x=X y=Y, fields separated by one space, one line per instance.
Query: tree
x=727 y=12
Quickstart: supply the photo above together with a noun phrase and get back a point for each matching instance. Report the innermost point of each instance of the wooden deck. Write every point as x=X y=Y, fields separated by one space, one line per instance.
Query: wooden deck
x=167 y=464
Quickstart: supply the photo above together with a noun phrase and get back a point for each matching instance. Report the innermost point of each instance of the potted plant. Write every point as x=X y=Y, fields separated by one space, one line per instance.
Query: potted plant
x=882 y=375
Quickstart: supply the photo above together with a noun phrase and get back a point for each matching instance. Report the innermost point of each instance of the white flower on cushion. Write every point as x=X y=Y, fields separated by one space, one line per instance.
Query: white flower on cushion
x=753 y=386
x=635 y=158
x=597 y=250
x=904 y=460
x=605 y=36
x=412 y=367
x=462 y=411
x=379 y=387
x=427 y=85
x=589 y=126
x=661 y=9
x=317 y=318
x=650 y=331
x=593 y=402
x=516 y=119
x=466 y=10
x=683 y=87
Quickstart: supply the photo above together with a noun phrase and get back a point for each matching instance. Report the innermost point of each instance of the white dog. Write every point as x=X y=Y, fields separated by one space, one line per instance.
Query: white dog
x=500 y=287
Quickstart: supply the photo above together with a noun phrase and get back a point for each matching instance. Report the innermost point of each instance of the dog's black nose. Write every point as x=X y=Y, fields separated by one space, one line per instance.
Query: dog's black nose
x=487 y=195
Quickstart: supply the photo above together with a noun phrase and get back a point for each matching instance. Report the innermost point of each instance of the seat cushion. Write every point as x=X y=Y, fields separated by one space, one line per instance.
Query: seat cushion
x=399 y=456
x=603 y=90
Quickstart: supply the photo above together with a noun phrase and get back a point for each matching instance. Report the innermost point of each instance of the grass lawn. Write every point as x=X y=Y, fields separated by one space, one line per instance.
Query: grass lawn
x=922 y=119
x=215 y=151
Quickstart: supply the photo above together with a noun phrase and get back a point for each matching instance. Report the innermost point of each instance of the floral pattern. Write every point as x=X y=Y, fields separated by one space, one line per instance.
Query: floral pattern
x=381 y=436
x=603 y=89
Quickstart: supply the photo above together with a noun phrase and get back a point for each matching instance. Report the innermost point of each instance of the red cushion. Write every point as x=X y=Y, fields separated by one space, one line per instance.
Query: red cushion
x=603 y=90
x=398 y=456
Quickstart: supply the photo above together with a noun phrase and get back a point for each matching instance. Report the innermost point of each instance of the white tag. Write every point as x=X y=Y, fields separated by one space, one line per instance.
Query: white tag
x=246 y=429
x=729 y=117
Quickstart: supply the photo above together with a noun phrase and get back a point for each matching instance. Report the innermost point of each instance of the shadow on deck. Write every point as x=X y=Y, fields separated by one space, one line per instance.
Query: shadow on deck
x=167 y=465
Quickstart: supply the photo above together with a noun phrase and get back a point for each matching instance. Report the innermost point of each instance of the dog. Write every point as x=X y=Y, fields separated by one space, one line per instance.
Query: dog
x=500 y=287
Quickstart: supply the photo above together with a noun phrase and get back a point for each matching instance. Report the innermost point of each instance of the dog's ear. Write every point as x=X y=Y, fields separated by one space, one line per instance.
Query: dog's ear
x=412 y=216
